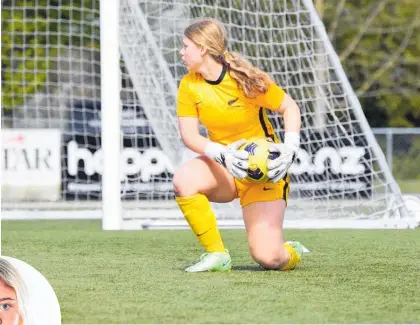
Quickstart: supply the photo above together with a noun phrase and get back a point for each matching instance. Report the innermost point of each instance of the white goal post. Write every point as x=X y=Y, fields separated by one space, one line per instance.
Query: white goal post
x=102 y=76
x=110 y=99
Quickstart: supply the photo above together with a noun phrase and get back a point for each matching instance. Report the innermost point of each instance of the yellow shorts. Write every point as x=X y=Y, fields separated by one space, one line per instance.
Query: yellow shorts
x=250 y=192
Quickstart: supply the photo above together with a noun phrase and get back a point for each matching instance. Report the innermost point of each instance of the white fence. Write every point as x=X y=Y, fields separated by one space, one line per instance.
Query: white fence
x=401 y=147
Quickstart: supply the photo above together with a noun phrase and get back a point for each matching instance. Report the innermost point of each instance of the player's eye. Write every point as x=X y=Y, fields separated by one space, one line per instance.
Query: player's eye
x=5 y=306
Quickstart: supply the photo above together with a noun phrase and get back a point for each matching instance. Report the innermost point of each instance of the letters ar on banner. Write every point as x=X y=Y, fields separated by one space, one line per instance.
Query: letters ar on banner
x=31 y=164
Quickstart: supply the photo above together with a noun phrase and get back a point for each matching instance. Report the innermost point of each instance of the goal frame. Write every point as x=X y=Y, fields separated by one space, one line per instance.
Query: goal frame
x=150 y=217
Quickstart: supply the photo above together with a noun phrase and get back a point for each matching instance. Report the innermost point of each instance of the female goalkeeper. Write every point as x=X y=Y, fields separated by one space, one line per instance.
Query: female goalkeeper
x=230 y=97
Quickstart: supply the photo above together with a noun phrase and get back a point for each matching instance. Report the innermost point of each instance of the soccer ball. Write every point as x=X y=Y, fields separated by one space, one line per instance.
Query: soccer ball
x=258 y=157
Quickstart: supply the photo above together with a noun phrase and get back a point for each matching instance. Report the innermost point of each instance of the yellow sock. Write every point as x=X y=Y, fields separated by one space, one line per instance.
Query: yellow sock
x=294 y=258
x=197 y=211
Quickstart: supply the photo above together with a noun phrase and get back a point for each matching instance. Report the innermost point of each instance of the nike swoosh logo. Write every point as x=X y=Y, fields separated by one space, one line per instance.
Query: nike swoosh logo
x=198 y=103
x=268 y=188
x=232 y=101
x=198 y=235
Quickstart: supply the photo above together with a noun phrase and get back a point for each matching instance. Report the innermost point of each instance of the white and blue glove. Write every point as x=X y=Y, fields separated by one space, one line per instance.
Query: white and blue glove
x=234 y=160
x=278 y=167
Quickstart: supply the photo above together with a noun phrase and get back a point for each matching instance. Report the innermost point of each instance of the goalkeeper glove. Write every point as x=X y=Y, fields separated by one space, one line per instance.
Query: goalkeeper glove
x=234 y=160
x=277 y=168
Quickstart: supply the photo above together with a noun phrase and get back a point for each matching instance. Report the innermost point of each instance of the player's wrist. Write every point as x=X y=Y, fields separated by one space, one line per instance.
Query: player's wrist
x=214 y=150
x=292 y=139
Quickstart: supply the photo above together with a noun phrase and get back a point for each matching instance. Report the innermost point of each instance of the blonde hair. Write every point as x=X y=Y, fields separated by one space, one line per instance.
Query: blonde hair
x=12 y=278
x=211 y=34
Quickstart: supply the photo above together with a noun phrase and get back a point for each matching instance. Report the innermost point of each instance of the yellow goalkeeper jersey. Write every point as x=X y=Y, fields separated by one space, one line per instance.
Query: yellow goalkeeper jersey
x=224 y=110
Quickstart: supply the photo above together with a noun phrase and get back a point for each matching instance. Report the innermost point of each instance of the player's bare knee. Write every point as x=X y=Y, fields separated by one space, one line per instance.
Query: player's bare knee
x=188 y=179
x=270 y=261
x=182 y=184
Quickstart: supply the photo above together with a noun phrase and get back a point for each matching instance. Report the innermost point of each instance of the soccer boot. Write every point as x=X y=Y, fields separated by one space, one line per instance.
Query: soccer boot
x=298 y=247
x=214 y=262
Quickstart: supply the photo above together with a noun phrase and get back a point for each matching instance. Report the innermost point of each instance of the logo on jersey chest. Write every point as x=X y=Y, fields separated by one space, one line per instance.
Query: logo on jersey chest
x=219 y=105
x=232 y=101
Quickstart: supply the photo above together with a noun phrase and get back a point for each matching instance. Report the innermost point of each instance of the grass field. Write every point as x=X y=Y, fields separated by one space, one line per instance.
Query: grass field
x=370 y=276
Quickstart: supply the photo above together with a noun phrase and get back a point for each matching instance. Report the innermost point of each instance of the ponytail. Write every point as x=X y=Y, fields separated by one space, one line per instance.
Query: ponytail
x=251 y=80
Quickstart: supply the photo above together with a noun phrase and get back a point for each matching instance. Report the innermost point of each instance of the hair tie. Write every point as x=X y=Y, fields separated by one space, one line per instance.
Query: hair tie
x=222 y=59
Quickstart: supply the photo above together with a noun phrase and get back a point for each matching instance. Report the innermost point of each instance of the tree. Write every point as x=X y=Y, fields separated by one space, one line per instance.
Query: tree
x=380 y=51
x=31 y=42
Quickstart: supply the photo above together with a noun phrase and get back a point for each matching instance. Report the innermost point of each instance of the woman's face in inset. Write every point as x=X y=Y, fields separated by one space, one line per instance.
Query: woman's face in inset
x=9 y=309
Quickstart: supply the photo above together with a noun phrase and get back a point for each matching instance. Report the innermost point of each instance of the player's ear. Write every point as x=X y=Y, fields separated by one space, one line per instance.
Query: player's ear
x=203 y=50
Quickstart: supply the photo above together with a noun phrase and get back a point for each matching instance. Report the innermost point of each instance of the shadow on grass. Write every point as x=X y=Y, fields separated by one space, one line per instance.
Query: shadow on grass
x=248 y=268
x=235 y=268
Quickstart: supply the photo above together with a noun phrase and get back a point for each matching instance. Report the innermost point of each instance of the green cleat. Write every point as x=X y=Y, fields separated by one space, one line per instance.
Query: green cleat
x=213 y=262
x=298 y=247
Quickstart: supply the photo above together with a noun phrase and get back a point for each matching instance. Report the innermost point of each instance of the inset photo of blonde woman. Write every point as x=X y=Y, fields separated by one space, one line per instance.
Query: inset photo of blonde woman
x=26 y=297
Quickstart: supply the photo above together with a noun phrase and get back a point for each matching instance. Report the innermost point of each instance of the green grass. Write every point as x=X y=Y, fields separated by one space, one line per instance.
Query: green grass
x=132 y=277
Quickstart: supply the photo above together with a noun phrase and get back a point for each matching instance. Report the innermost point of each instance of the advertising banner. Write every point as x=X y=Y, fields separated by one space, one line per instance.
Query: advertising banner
x=31 y=164
x=146 y=171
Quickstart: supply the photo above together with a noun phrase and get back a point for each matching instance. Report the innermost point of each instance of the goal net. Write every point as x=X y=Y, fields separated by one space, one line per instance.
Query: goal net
x=51 y=125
